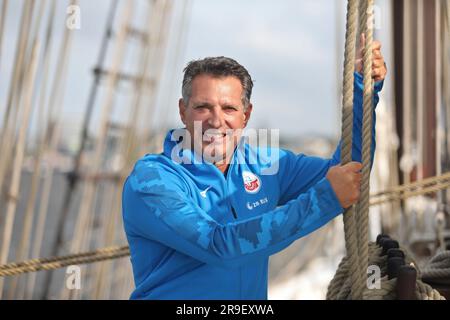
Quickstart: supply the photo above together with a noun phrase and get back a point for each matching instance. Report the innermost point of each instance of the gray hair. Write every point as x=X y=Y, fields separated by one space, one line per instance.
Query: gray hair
x=217 y=67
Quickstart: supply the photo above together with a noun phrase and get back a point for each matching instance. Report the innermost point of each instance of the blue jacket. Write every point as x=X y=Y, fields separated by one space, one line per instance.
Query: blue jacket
x=195 y=233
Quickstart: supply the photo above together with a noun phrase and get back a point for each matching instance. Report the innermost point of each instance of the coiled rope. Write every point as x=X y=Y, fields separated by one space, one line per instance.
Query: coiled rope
x=339 y=287
x=438 y=269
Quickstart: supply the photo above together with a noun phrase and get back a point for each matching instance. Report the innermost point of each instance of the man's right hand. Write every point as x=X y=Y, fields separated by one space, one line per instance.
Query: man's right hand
x=346 y=181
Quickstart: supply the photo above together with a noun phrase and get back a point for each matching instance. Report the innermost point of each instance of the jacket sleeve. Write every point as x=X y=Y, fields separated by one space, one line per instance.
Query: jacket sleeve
x=157 y=206
x=299 y=172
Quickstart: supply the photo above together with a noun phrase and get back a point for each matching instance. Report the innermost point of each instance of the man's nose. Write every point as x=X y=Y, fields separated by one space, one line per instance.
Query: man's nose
x=216 y=118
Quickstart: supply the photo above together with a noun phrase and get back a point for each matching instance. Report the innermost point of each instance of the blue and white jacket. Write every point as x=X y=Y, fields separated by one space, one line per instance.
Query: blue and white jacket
x=195 y=233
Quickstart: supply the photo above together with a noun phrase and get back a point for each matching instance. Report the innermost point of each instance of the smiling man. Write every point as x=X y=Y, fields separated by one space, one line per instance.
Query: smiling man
x=203 y=217
x=216 y=107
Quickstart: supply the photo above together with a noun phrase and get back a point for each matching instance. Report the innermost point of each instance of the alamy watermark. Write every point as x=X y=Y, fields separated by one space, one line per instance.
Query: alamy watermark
x=73 y=20
x=73 y=279
x=374 y=277
x=249 y=146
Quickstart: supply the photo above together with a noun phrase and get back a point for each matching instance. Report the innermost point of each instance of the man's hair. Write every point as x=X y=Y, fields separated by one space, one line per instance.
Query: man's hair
x=217 y=67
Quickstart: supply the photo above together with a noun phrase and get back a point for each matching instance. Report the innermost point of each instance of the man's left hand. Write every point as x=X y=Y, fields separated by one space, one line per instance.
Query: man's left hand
x=379 y=70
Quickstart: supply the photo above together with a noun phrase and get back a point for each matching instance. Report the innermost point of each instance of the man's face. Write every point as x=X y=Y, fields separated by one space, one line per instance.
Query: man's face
x=216 y=107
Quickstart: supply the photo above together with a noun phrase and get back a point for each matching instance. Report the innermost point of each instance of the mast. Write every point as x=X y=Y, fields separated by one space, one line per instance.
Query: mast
x=73 y=176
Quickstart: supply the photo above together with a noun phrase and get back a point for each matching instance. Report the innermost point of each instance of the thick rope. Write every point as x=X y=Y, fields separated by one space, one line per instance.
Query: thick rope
x=443 y=178
x=360 y=253
x=347 y=136
x=438 y=269
x=339 y=287
x=405 y=193
x=356 y=224
x=362 y=217
x=340 y=284
x=60 y=262
x=426 y=292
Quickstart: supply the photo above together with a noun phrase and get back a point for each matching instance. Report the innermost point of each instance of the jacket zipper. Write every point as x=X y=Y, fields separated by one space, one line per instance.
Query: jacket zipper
x=234 y=212
x=229 y=201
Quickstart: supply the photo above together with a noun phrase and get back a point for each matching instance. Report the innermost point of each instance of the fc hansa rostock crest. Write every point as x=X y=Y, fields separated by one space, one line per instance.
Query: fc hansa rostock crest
x=252 y=183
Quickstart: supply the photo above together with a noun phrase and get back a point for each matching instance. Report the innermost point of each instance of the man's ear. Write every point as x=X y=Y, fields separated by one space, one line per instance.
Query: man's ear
x=182 y=109
x=247 y=114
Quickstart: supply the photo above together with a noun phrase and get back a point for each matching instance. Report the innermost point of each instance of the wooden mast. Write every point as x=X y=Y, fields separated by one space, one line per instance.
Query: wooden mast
x=74 y=175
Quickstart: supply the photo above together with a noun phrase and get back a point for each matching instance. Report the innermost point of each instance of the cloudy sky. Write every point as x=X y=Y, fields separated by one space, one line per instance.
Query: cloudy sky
x=289 y=47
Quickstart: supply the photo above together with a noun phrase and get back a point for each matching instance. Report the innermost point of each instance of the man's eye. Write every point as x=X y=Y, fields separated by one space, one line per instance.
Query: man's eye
x=230 y=109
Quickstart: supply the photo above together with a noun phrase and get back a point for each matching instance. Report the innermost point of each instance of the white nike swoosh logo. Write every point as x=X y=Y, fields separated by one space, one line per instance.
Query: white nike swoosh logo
x=203 y=193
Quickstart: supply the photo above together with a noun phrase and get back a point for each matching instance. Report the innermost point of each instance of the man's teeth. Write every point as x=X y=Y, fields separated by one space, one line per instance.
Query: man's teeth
x=214 y=135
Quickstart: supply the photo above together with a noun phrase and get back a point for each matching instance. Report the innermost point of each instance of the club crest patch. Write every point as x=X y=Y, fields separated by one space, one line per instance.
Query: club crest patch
x=252 y=183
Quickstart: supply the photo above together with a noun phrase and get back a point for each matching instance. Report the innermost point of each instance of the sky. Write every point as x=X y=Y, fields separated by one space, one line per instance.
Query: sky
x=292 y=49
x=289 y=49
